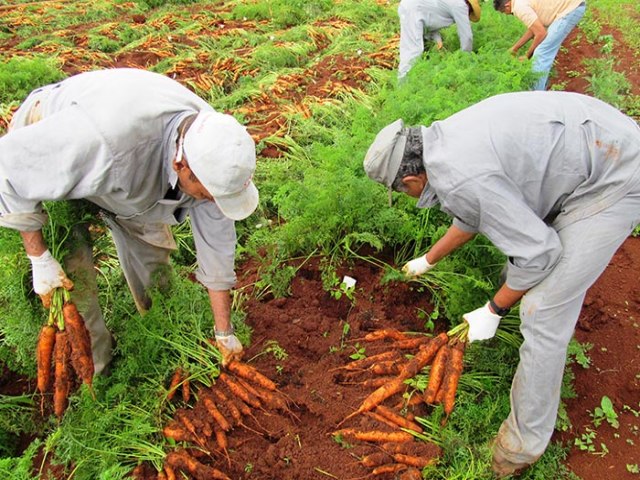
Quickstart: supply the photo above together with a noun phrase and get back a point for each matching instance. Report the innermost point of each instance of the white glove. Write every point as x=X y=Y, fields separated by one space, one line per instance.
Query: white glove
x=417 y=266
x=47 y=276
x=483 y=323
x=229 y=346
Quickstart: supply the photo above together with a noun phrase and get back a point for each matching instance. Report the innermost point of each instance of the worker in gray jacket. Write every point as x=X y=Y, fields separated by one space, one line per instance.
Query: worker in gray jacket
x=149 y=153
x=420 y=18
x=553 y=180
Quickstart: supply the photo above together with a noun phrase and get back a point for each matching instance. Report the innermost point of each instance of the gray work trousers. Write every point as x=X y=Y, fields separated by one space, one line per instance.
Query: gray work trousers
x=549 y=313
x=142 y=249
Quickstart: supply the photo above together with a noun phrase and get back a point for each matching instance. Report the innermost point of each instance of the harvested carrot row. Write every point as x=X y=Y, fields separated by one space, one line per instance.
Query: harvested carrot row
x=249 y=373
x=44 y=357
x=375 y=435
x=437 y=373
x=397 y=419
x=80 y=340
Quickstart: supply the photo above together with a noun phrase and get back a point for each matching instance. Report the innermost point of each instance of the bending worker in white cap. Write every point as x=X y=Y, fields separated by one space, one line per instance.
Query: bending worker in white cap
x=427 y=17
x=553 y=180
x=148 y=152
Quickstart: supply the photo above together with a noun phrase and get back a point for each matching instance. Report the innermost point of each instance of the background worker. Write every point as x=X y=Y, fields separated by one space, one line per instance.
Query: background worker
x=427 y=17
x=548 y=23
x=149 y=153
x=553 y=180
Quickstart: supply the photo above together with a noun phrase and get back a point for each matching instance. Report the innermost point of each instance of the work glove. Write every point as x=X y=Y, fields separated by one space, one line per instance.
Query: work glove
x=47 y=276
x=229 y=346
x=483 y=323
x=417 y=267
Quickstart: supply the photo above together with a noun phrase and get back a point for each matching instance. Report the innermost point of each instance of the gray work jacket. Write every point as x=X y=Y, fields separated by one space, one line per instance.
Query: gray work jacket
x=109 y=137
x=518 y=167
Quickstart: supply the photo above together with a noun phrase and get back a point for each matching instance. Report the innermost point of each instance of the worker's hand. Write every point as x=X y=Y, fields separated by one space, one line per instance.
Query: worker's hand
x=417 y=266
x=229 y=346
x=47 y=276
x=483 y=323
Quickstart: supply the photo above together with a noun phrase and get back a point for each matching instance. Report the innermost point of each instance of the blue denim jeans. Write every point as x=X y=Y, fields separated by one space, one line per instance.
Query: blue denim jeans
x=546 y=52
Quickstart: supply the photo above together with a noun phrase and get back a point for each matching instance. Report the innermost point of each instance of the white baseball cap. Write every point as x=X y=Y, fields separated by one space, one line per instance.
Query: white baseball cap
x=384 y=156
x=222 y=155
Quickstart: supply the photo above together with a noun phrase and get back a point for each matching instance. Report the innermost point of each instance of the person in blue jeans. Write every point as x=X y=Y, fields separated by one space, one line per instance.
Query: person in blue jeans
x=548 y=23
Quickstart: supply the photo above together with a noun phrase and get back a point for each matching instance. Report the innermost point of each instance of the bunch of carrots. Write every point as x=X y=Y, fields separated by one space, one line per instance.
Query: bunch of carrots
x=445 y=352
x=390 y=370
x=64 y=348
x=224 y=406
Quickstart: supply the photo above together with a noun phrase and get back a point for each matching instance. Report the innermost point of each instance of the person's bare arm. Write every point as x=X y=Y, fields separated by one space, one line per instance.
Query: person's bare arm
x=34 y=244
x=506 y=297
x=539 y=33
x=452 y=240
x=221 y=307
x=528 y=35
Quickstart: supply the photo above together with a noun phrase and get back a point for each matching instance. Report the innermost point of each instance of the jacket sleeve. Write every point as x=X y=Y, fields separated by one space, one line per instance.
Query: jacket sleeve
x=496 y=207
x=215 y=240
x=463 y=24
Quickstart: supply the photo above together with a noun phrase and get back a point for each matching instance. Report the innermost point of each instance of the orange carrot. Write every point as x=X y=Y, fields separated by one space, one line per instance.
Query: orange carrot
x=175 y=382
x=385 y=368
x=378 y=396
x=376 y=382
x=398 y=419
x=450 y=382
x=368 y=361
x=171 y=475
x=424 y=356
x=183 y=461
x=376 y=459
x=233 y=409
x=186 y=390
x=390 y=468
x=437 y=373
x=239 y=391
x=381 y=419
x=410 y=343
x=62 y=370
x=221 y=437
x=80 y=340
x=418 y=462
x=44 y=357
x=211 y=407
x=249 y=373
x=176 y=432
x=375 y=435
x=384 y=334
